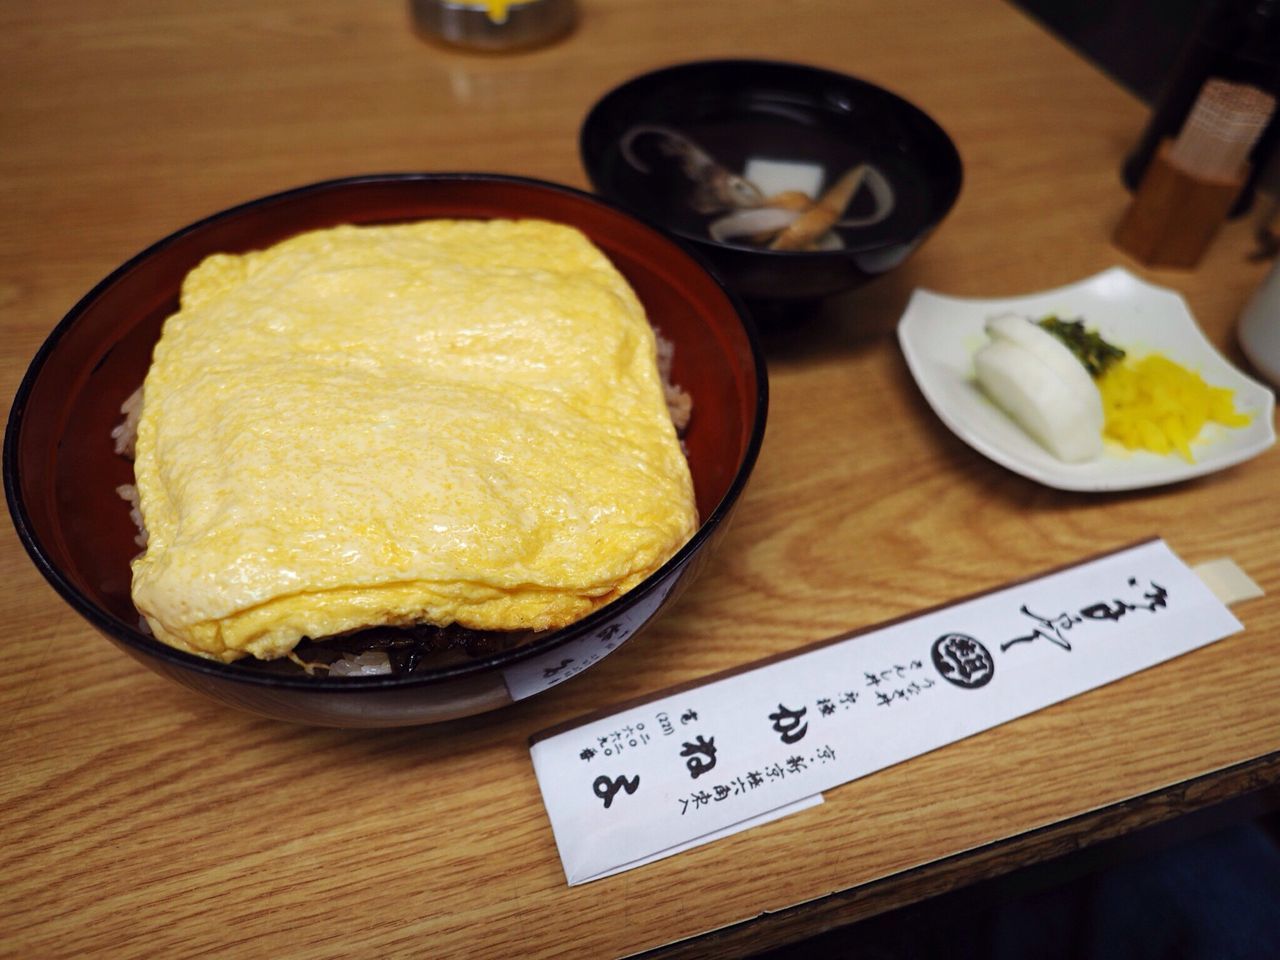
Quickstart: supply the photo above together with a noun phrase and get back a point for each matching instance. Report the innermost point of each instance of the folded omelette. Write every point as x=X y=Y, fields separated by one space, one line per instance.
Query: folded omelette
x=443 y=422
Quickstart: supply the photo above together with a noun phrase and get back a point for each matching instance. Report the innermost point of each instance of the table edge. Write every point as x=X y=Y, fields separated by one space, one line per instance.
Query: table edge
x=1242 y=790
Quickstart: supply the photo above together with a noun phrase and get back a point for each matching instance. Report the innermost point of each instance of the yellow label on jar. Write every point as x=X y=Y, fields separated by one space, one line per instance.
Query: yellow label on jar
x=497 y=10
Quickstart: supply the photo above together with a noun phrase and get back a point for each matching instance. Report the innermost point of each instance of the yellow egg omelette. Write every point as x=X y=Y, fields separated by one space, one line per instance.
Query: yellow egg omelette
x=443 y=422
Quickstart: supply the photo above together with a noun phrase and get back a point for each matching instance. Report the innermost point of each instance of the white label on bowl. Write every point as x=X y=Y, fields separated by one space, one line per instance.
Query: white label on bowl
x=544 y=671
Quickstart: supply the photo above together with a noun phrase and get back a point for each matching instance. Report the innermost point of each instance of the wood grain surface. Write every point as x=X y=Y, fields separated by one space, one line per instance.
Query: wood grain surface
x=138 y=820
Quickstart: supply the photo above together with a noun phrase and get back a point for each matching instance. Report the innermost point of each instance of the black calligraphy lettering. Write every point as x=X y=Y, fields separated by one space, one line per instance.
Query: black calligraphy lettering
x=1159 y=597
x=1051 y=629
x=963 y=661
x=607 y=789
x=1101 y=611
x=789 y=724
x=549 y=672
x=1036 y=635
x=701 y=754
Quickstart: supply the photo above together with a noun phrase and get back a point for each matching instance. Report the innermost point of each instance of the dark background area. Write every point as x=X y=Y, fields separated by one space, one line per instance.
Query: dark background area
x=1136 y=42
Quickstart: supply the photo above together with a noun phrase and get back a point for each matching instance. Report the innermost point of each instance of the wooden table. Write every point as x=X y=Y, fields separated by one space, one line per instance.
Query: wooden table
x=141 y=820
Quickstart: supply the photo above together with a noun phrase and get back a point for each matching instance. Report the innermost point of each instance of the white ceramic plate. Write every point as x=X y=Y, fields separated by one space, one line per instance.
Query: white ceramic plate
x=940 y=334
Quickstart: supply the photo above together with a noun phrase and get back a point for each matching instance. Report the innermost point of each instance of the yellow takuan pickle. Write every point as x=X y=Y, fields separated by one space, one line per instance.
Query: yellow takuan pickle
x=1157 y=405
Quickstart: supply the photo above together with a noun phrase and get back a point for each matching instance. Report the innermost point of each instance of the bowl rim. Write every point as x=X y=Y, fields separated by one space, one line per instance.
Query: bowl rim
x=135 y=640
x=951 y=197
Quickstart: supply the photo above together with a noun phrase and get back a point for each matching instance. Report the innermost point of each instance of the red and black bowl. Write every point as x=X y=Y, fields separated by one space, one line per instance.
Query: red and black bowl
x=61 y=469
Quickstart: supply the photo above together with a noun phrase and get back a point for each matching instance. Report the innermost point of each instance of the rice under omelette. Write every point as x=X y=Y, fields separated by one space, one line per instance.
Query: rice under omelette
x=443 y=422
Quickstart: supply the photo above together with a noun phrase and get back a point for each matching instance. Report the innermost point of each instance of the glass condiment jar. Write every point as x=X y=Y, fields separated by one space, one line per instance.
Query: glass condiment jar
x=495 y=26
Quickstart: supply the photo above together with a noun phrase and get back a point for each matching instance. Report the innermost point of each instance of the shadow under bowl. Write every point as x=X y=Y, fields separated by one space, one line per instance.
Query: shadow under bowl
x=672 y=146
x=61 y=470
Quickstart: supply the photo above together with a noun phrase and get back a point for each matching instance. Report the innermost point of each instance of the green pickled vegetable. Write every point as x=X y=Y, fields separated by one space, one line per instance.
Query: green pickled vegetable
x=1090 y=349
